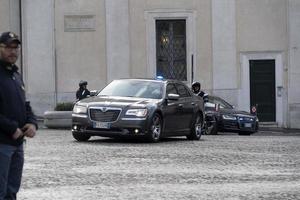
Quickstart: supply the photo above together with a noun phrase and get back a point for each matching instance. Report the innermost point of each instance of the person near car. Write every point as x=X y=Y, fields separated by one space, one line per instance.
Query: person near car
x=82 y=91
x=16 y=118
x=196 y=88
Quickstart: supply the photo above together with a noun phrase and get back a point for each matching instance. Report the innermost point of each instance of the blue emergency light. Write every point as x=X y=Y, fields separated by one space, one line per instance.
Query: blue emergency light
x=159 y=77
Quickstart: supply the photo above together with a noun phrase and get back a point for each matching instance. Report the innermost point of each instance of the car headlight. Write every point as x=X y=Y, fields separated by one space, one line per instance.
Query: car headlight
x=80 y=109
x=229 y=117
x=137 y=112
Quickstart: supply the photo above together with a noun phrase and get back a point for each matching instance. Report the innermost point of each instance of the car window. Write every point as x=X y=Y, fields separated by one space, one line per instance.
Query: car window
x=182 y=90
x=222 y=103
x=171 y=89
x=209 y=106
x=134 y=88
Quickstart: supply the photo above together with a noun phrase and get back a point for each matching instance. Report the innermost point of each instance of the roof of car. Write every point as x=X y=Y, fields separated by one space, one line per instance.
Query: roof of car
x=151 y=79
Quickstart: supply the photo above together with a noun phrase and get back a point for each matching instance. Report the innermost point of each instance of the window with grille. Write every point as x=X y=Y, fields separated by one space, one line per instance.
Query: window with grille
x=171 y=49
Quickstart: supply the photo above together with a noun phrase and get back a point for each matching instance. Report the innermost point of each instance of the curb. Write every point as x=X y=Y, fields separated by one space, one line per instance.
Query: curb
x=276 y=129
x=58 y=119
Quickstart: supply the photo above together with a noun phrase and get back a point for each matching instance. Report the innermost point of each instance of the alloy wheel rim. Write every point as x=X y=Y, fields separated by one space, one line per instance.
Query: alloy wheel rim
x=156 y=128
x=198 y=127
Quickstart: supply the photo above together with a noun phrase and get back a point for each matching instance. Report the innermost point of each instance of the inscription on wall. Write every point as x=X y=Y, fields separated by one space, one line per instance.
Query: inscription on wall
x=74 y=23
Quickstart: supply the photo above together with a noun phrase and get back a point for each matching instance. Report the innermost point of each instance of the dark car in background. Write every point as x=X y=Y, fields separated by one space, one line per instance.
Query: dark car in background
x=146 y=108
x=222 y=116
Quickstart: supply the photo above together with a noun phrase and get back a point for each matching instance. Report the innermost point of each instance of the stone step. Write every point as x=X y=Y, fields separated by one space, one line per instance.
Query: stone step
x=268 y=124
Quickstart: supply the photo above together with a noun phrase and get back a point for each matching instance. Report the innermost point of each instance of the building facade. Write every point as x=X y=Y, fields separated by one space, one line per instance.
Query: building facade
x=246 y=51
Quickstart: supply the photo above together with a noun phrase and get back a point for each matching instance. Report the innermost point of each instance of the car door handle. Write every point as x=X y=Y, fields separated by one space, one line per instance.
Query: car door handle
x=193 y=103
x=180 y=105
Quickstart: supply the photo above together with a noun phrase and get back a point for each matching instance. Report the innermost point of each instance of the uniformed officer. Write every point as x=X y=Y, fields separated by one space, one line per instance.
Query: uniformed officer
x=82 y=92
x=196 y=88
x=16 y=117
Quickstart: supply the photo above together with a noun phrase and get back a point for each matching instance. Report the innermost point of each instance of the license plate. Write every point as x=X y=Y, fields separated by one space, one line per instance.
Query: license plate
x=101 y=125
x=248 y=125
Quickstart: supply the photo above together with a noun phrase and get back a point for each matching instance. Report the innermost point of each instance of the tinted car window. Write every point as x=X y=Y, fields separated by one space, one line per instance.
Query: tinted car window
x=171 y=89
x=134 y=88
x=182 y=91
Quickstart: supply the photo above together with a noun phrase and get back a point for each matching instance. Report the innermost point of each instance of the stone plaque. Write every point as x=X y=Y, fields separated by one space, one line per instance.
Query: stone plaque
x=74 y=23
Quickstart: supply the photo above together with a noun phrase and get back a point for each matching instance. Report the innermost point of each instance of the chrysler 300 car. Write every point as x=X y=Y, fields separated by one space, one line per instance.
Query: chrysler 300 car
x=146 y=108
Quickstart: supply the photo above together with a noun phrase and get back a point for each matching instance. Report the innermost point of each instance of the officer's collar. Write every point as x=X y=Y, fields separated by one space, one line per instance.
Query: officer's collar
x=9 y=67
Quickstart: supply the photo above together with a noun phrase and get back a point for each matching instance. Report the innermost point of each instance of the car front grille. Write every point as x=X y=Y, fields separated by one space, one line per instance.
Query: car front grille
x=230 y=125
x=104 y=114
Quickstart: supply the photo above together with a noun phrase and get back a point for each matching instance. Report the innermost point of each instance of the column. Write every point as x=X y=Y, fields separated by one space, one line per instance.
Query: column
x=117 y=37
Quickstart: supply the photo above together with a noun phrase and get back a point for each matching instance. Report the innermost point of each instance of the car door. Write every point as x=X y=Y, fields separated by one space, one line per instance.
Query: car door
x=172 y=111
x=186 y=108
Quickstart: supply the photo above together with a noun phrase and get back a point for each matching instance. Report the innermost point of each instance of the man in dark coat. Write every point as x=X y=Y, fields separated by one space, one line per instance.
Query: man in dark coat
x=196 y=88
x=16 y=117
x=82 y=92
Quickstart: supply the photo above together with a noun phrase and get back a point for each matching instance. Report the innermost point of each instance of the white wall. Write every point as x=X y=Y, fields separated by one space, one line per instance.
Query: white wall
x=294 y=62
x=38 y=48
x=80 y=52
x=4 y=16
x=10 y=16
x=224 y=49
x=10 y=20
x=117 y=40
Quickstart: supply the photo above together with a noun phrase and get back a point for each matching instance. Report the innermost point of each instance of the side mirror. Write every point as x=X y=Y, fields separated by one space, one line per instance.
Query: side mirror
x=173 y=97
x=94 y=93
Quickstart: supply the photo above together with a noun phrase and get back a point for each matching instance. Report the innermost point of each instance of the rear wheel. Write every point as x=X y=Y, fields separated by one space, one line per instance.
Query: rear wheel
x=196 y=129
x=155 y=128
x=81 y=136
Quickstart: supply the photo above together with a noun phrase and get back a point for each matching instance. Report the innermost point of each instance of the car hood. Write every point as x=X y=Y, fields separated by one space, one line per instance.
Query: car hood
x=113 y=101
x=237 y=112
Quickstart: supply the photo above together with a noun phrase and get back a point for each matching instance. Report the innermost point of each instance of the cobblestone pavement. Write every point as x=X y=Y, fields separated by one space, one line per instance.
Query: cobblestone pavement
x=261 y=166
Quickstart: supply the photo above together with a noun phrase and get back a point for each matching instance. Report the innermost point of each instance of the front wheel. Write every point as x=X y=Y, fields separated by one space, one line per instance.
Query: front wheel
x=196 y=129
x=155 y=128
x=214 y=129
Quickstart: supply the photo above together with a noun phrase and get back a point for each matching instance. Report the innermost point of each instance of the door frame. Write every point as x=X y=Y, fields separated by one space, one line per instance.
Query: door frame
x=170 y=14
x=244 y=91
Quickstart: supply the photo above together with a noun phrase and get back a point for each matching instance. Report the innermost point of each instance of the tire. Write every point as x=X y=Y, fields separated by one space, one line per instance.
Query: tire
x=155 y=128
x=256 y=127
x=196 y=129
x=81 y=137
x=214 y=130
x=205 y=130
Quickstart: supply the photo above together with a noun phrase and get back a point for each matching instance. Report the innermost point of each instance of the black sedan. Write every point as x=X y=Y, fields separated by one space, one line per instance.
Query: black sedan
x=146 y=108
x=222 y=116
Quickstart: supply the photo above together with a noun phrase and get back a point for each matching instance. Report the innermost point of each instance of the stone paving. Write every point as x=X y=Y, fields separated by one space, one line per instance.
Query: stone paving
x=265 y=165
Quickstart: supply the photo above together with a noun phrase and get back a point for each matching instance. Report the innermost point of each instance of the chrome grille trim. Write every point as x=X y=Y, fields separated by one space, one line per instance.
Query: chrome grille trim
x=104 y=114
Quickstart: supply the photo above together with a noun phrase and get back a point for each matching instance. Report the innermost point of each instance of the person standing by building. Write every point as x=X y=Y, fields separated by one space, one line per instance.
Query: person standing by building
x=196 y=88
x=82 y=92
x=16 y=118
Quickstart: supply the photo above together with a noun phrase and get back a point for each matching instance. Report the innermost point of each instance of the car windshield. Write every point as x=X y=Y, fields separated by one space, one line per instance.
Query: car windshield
x=134 y=88
x=216 y=100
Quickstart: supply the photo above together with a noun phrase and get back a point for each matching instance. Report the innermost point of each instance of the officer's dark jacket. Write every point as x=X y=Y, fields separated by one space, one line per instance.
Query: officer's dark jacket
x=15 y=112
x=82 y=93
x=204 y=96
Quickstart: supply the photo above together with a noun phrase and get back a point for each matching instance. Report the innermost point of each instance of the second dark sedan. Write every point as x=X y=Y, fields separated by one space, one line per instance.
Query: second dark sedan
x=151 y=109
x=222 y=116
